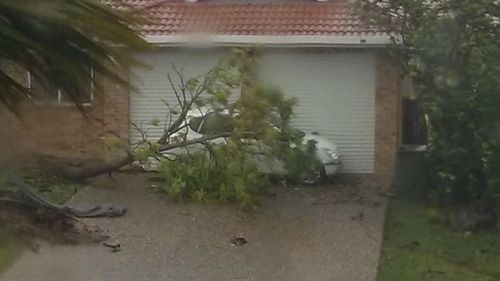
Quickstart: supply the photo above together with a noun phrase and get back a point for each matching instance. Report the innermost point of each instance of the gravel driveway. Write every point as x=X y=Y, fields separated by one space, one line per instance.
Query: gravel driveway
x=330 y=233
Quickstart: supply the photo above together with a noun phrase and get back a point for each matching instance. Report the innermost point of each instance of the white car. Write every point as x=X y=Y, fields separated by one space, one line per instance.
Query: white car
x=200 y=121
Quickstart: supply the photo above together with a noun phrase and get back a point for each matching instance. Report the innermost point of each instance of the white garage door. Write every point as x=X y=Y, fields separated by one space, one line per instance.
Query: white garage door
x=336 y=97
x=154 y=88
x=335 y=92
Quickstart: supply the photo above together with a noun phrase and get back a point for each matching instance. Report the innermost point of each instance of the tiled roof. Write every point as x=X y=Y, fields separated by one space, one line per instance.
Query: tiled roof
x=174 y=17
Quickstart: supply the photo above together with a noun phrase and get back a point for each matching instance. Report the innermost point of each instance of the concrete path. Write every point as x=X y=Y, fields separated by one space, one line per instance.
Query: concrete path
x=305 y=234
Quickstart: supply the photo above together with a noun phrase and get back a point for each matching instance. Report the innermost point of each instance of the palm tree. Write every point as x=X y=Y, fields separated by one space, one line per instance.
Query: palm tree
x=58 y=41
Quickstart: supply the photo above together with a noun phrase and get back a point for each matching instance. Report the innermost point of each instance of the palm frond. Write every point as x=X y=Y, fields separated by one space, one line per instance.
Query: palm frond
x=60 y=40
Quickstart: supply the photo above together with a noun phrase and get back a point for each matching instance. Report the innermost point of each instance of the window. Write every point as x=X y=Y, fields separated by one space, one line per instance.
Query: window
x=46 y=91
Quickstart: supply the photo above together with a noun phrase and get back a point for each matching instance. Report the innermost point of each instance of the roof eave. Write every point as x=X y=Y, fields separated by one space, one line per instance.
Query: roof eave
x=347 y=41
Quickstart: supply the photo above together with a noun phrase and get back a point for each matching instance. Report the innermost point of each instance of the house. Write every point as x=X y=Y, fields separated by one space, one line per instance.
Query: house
x=317 y=51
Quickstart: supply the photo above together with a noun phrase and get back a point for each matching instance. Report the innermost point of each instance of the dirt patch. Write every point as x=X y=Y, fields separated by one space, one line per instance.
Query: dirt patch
x=360 y=190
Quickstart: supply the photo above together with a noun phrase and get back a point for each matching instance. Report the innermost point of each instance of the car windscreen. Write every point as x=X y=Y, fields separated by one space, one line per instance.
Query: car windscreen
x=211 y=125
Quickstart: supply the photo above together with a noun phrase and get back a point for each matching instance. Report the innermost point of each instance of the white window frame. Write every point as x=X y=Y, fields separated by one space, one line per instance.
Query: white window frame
x=59 y=92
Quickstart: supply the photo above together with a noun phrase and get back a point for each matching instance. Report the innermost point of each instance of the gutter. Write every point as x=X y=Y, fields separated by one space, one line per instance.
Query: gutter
x=197 y=40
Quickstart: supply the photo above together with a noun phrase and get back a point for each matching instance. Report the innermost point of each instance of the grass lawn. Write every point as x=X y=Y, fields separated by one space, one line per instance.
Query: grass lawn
x=418 y=246
x=52 y=188
x=55 y=190
x=10 y=248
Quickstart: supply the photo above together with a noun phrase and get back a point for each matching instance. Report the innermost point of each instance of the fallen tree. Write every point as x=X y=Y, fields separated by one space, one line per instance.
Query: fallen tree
x=251 y=116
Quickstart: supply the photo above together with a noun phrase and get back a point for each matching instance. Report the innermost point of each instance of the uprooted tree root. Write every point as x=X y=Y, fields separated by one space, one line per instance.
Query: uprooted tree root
x=42 y=224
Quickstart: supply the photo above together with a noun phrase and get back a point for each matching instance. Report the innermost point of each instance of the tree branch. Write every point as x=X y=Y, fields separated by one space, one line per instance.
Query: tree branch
x=201 y=140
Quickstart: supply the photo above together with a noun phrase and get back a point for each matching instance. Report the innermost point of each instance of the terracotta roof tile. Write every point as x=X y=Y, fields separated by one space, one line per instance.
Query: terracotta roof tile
x=172 y=17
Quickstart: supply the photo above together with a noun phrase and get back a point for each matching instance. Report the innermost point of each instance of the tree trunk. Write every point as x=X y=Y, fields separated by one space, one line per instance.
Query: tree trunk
x=83 y=169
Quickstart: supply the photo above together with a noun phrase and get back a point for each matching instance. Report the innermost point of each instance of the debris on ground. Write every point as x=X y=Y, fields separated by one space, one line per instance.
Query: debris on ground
x=238 y=241
x=359 y=217
x=387 y=194
x=114 y=245
x=104 y=210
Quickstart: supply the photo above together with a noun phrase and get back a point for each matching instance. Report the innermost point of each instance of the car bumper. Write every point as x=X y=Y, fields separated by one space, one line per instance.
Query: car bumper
x=332 y=169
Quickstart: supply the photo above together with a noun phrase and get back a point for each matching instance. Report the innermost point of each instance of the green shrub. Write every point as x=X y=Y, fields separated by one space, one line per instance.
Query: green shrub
x=451 y=51
x=458 y=88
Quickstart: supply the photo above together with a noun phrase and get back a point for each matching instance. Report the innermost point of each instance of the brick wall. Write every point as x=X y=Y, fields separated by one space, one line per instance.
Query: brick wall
x=387 y=115
x=63 y=130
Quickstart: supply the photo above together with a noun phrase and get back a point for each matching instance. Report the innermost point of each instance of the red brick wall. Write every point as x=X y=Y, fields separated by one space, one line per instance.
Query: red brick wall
x=63 y=130
x=387 y=115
